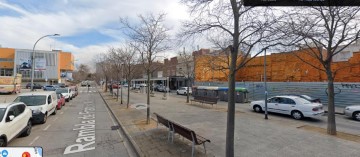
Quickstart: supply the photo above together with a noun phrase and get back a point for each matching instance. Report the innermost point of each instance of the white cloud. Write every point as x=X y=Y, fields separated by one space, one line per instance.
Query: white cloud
x=73 y=17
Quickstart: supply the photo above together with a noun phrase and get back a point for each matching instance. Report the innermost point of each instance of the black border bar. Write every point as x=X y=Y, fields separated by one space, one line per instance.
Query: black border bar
x=301 y=2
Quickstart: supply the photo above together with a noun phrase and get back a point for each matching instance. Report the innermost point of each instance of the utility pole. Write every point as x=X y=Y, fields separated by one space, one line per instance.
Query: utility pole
x=266 y=93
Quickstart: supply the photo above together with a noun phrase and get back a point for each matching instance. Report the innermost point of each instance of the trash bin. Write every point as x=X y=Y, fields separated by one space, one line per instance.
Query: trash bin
x=222 y=91
x=240 y=95
x=212 y=91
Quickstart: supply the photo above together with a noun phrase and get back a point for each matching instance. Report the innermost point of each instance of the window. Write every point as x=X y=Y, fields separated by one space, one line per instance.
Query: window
x=21 y=108
x=289 y=101
x=49 y=99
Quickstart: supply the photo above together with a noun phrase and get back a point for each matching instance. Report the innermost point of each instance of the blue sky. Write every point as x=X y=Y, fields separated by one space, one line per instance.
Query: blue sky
x=87 y=27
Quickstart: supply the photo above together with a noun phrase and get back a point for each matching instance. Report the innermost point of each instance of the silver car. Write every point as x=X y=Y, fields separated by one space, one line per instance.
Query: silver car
x=353 y=112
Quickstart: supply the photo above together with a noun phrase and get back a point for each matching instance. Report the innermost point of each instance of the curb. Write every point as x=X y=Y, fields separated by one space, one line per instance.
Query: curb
x=339 y=113
x=129 y=138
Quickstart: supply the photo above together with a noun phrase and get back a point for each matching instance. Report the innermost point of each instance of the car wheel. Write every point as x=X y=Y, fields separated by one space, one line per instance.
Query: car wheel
x=356 y=115
x=3 y=142
x=54 y=113
x=257 y=108
x=44 y=119
x=177 y=93
x=28 y=129
x=184 y=93
x=297 y=115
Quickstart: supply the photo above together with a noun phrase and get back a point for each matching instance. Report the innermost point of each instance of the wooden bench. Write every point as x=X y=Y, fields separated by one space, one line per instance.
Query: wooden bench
x=206 y=100
x=183 y=131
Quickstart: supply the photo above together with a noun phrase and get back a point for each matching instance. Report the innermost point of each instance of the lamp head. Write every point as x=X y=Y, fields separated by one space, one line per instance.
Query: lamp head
x=56 y=34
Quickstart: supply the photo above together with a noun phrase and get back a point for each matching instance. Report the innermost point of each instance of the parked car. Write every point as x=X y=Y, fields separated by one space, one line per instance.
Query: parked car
x=309 y=98
x=125 y=85
x=85 y=83
x=163 y=89
x=15 y=120
x=66 y=92
x=61 y=85
x=50 y=87
x=42 y=104
x=36 y=86
x=116 y=85
x=72 y=92
x=61 y=101
x=183 y=90
x=353 y=112
x=295 y=106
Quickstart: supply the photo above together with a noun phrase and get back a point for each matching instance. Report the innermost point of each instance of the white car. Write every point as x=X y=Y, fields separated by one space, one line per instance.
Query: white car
x=15 y=120
x=66 y=92
x=353 y=112
x=183 y=91
x=295 y=106
x=42 y=104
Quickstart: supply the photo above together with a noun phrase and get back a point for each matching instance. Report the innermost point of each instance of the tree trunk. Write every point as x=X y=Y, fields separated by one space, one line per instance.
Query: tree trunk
x=128 y=95
x=331 y=126
x=230 y=129
x=148 y=98
x=187 y=90
x=106 y=82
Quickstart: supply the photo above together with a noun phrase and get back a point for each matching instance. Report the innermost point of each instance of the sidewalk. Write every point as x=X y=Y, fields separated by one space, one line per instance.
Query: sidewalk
x=254 y=136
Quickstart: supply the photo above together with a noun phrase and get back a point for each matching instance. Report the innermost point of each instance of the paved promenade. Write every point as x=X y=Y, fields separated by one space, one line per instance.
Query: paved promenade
x=254 y=136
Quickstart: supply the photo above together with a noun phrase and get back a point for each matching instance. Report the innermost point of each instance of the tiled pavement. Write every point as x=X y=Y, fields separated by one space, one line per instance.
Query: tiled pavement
x=253 y=135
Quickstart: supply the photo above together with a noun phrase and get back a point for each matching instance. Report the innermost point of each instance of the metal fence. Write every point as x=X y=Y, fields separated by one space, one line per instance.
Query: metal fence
x=345 y=93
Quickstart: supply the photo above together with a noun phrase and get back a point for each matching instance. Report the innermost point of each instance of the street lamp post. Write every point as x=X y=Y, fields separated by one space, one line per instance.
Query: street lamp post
x=33 y=60
x=265 y=86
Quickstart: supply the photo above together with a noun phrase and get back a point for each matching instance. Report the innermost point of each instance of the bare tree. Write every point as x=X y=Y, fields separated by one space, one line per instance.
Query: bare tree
x=323 y=32
x=129 y=60
x=241 y=32
x=104 y=65
x=116 y=58
x=82 y=72
x=186 y=69
x=150 y=38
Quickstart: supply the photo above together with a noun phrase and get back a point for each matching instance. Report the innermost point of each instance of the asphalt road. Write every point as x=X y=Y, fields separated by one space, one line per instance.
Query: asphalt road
x=81 y=128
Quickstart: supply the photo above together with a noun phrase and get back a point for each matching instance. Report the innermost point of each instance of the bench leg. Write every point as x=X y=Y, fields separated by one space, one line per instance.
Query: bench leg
x=204 y=147
x=193 y=149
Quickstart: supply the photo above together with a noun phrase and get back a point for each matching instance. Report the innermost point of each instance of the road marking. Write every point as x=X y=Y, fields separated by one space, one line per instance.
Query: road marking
x=47 y=127
x=36 y=138
x=55 y=119
x=61 y=112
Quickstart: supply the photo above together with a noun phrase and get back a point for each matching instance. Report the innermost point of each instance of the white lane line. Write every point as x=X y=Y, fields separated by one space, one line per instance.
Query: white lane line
x=36 y=138
x=47 y=127
x=55 y=119
x=61 y=112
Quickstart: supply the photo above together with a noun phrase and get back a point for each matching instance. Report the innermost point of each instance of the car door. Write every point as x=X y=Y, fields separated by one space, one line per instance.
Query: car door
x=21 y=116
x=272 y=102
x=14 y=125
x=49 y=105
x=285 y=105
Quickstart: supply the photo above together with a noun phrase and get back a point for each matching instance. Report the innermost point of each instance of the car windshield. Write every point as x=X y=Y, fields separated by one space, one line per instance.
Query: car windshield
x=2 y=112
x=303 y=101
x=32 y=100
x=306 y=97
x=62 y=90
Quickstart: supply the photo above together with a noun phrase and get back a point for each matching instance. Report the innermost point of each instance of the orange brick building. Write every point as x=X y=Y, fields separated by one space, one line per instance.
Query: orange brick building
x=281 y=67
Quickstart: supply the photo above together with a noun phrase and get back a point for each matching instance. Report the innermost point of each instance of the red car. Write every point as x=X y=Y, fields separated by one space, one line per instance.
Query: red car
x=61 y=101
x=115 y=85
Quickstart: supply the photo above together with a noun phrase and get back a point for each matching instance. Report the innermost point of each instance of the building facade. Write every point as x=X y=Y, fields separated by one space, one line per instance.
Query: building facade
x=50 y=66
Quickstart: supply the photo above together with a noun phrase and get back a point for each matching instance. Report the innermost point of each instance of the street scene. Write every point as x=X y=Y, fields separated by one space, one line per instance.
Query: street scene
x=235 y=78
